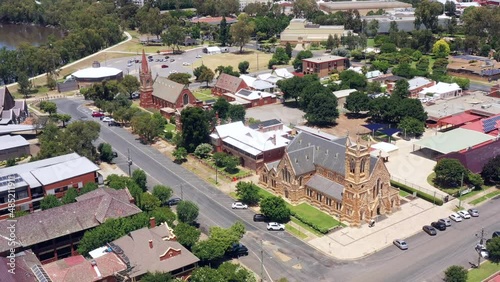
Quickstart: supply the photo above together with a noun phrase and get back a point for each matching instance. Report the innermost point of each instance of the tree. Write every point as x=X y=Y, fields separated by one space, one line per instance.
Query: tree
x=203 y=150
x=10 y=162
x=439 y=68
x=235 y=272
x=157 y=277
x=25 y=84
x=493 y=248
x=195 y=128
x=148 y=126
x=322 y=109
x=149 y=202
x=297 y=62
x=69 y=196
x=230 y=163
x=401 y=89
x=403 y=69
x=219 y=241
x=48 y=107
x=88 y=187
x=243 y=67
x=304 y=8
x=207 y=76
x=180 y=77
x=372 y=28
x=180 y=154
x=288 y=50
x=64 y=118
x=275 y=209
x=221 y=107
x=280 y=56
x=455 y=273
x=48 y=202
x=105 y=152
x=163 y=193
x=357 y=102
x=129 y=84
x=441 y=48
x=422 y=66
x=427 y=13
x=382 y=66
x=449 y=172
x=352 y=80
x=475 y=180
x=187 y=212
x=248 y=192
x=242 y=30
x=139 y=177
x=411 y=126
x=186 y=234
x=236 y=113
x=491 y=170
x=175 y=36
x=330 y=43
x=198 y=71
x=223 y=32
x=206 y=274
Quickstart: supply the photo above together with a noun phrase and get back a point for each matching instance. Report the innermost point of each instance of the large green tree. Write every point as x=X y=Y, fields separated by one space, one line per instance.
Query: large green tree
x=187 y=212
x=129 y=84
x=491 y=170
x=221 y=107
x=179 y=77
x=186 y=234
x=449 y=172
x=493 y=247
x=411 y=126
x=455 y=273
x=140 y=178
x=70 y=196
x=49 y=201
x=401 y=89
x=148 y=126
x=174 y=36
x=275 y=209
x=195 y=128
x=236 y=113
x=426 y=13
x=357 y=102
x=218 y=242
x=105 y=152
x=248 y=192
x=162 y=192
x=242 y=30
x=322 y=109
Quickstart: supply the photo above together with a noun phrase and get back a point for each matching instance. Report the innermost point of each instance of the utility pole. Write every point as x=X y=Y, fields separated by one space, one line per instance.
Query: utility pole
x=481 y=241
x=216 y=182
x=129 y=162
x=182 y=193
x=460 y=192
x=261 y=262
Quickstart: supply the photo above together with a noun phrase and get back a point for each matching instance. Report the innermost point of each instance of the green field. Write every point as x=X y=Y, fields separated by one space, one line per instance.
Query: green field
x=486 y=270
x=203 y=94
x=485 y=197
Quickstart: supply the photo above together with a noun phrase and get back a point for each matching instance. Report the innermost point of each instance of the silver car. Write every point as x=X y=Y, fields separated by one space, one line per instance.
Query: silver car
x=446 y=221
x=400 y=244
x=473 y=212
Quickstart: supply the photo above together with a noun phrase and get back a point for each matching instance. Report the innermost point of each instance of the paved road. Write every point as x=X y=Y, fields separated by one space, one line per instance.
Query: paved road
x=286 y=256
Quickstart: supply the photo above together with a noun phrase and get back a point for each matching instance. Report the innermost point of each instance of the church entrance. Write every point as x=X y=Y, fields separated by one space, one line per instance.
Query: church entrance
x=378 y=210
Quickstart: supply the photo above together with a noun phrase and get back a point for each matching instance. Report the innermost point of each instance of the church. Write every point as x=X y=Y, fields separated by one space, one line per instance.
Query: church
x=162 y=93
x=335 y=175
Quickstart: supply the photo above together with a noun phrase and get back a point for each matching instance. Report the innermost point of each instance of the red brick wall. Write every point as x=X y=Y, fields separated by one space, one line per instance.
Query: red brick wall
x=86 y=178
x=414 y=92
x=263 y=101
x=180 y=99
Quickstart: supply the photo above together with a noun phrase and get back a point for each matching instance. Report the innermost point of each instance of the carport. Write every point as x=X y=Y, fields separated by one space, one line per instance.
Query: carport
x=458 y=120
x=453 y=141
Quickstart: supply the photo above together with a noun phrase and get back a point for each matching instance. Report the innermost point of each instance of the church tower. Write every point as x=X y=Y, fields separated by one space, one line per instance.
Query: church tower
x=146 y=80
x=357 y=162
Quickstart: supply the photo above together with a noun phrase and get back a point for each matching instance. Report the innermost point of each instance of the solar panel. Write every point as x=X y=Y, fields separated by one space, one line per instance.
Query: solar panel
x=490 y=124
x=40 y=273
x=245 y=92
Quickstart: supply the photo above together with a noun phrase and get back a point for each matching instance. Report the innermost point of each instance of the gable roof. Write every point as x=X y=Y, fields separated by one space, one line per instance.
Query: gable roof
x=67 y=219
x=7 y=102
x=167 y=89
x=418 y=82
x=475 y=158
x=326 y=186
x=9 y=141
x=441 y=88
x=143 y=258
x=229 y=83
x=24 y=262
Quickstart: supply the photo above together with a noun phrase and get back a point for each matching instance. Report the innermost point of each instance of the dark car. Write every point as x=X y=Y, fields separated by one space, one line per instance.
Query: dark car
x=495 y=234
x=441 y=226
x=114 y=123
x=429 y=230
x=237 y=250
x=115 y=154
x=173 y=201
x=260 y=217
x=164 y=66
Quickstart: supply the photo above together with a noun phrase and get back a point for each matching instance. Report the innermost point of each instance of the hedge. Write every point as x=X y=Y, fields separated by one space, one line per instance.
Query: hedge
x=321 y=230
x=420 y=194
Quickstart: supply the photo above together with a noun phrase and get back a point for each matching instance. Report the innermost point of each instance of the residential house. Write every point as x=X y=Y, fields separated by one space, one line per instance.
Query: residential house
x=154 y=249
x=228 y=84
x=11 y=111
x=54 y=233
x=301 y=31
x=253 y=147
x=324 y=65
x=256 y=98
x=417 y=84
x=12 y=147
x=32 y=181
x=337 y=176
x=442 y=90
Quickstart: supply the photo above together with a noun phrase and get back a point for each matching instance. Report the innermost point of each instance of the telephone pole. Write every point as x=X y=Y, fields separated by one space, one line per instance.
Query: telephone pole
x=182 y=193
x=481 y=241
x=129 y=162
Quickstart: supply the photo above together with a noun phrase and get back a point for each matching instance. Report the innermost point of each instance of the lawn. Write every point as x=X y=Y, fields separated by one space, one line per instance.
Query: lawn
x=306 y=227
x=295 y=232
x=370 y=42
x=315 y=216
x=486 y=270
x=403 y=193
x=169 y=127
x=485 y=197
x=203 y=94
x=233 y=59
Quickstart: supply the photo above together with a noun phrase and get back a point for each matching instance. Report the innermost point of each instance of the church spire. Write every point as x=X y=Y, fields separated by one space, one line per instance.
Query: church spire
x=144 y=63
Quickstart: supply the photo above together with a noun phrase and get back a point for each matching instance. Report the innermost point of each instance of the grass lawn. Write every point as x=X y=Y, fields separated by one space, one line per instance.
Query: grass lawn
x=486 y=270
x=295 y=232
x=169 y=127
x=315 y=216
x=264 y=193
x=403 y=193
x=485 y=197
x=203 y=94
x=233 y=59
x=370 y=42
x=233 y=195
x=306 y=227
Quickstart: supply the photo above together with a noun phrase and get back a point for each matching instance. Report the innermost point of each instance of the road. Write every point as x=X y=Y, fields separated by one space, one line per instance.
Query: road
x=284 y=255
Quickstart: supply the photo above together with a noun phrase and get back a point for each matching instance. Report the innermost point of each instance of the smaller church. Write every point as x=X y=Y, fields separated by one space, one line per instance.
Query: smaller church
x=335 y=175
x=162 y=93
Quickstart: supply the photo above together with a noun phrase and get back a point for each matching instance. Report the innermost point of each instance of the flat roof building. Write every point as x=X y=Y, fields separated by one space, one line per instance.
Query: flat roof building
x=363 y=7
x=301 y=31
x=324 y=65
x=12 y=147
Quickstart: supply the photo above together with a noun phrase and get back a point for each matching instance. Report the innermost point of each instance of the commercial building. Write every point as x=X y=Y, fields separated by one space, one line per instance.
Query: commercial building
x=474 y=67
x=96 y=74
x=31 y=182
x=417 y=84
x=12 y=147
x=335 y=175
x=404 y=19
x=11 y=111
x=442 y=90
x=301 y=31
x=324 y=65
x=363 y=7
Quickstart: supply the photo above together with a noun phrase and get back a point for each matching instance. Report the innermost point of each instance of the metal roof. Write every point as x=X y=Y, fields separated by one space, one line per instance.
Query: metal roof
x=8 y=142
x=454 y=140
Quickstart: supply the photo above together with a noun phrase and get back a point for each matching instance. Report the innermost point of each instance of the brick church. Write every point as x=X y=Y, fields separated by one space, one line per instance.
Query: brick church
x=335 y=175
x=162 y=93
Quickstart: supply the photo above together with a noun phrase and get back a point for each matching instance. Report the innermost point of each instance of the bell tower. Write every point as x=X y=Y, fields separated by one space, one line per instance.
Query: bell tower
x=146 y=88
x=357 y=162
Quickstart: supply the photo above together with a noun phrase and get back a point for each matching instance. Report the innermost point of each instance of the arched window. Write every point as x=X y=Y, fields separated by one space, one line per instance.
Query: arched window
x=379 y=186
x=352 y=166
x=285 y=175
x=362 y=167
x=185 y=99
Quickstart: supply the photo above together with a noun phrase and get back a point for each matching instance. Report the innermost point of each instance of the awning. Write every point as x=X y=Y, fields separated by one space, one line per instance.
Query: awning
x=390 y=131
x=375 y=126
x=460 y=119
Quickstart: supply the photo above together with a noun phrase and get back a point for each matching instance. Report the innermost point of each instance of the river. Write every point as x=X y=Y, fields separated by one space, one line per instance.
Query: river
x=11 y=35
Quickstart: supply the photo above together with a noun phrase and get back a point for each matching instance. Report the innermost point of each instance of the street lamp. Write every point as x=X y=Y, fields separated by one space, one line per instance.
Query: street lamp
x=129 y=162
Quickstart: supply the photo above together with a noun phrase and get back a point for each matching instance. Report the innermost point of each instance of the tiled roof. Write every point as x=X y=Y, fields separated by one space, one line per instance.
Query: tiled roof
x=228 y=82
x=326 y=186
x=67 y=219
x=167 y=89
x=23 y=273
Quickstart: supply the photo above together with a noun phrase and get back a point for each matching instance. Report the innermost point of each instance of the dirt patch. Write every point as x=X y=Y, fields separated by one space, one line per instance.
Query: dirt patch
x=348 y=126
x=233 y=59
x=282 y=256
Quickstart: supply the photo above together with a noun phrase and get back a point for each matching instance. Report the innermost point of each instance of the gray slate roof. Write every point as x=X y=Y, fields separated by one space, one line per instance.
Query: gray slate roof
x=307 y=151
x=326 y=186
x=167 y=89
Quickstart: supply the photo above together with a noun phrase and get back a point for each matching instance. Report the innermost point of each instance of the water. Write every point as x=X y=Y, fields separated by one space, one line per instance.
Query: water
x=11 y=35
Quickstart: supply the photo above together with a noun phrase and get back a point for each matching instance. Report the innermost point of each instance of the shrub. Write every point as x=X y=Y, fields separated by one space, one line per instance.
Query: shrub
x=420 y=194
x=304 y=220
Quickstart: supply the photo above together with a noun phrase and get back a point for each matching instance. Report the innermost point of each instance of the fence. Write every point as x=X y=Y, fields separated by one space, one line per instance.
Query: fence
x=437 y=194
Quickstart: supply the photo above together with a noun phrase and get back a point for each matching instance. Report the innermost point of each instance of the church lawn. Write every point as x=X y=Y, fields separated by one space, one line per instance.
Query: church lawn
x=314 y=216
x=203 y=94
x=486 y=270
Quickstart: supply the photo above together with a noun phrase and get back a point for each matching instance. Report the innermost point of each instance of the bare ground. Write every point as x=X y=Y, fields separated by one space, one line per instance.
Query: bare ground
x=348 y=126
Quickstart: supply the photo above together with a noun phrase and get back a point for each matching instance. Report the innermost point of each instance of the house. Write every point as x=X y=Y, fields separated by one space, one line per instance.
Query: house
x=442 y=90
x=417 y=84
x=474 y=67
x=337 y=176
x=476 y=157
x=301 y=31
x=253 y=147
x=54 y=233
x=154 y=249
x=32 y=181
x=324 y=65
x=363 y=7
x=188 y=41
x=228 y=83
x=11 y=111
x=12 y=147
x=256 y=98
x=162 y=93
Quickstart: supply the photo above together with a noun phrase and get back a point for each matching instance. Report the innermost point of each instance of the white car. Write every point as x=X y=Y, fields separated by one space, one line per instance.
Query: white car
x=446 y=221
x=473 y=212
x=186 y=64
x=455 y=217
x=275 y=226
x=482 y=251
x=107 y=119
x=464 y=214
x=239 y=205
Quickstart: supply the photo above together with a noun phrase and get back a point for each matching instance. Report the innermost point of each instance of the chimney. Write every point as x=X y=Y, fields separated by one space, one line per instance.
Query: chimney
x=150 y=244
x=152 y=222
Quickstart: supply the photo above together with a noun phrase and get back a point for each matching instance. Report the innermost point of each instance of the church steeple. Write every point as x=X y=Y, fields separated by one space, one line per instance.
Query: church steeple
x=146 y=79
x=144 y=64
x=357 y=162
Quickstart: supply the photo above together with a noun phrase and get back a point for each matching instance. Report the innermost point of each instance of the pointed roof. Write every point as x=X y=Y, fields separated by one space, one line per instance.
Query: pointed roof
x=144 y=63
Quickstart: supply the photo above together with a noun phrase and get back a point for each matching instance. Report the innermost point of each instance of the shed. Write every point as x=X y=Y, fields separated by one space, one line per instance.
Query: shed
x=213 y=50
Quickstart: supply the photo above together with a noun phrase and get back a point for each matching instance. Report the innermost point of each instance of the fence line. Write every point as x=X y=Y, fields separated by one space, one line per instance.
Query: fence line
x=434 y=193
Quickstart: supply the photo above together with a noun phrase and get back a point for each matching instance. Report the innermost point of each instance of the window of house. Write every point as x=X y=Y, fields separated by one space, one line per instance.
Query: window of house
x=286 y=175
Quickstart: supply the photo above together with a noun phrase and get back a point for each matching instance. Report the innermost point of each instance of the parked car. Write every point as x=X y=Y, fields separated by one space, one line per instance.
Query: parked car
x=164 y=66
x=464 y=214
x=108 y=119
x=97 y=114
x=114 y=123
x=186 y=64
x=135 y=95
x=446 y=221
x=481 y=249
x=455 y=217
x=237 y=250
x=260 y=217
x=473 y=212
x=239 y=205
x=167 y=57
x=275 y=226
x=429 y=230
x=439 y=225
x=173 y=201
x=172 y=60
x=150 y=57
x=400 y=244
x=198 y=56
